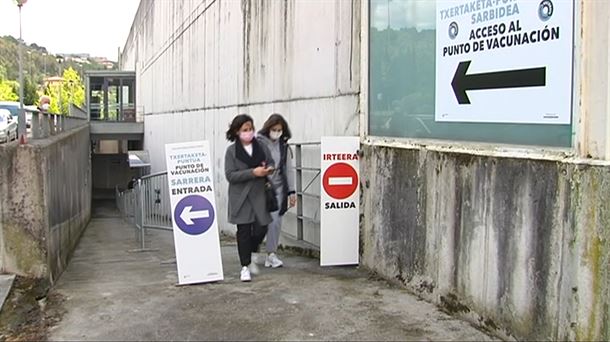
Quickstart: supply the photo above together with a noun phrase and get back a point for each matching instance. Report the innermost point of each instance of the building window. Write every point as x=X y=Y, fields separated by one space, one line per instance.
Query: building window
x=403 y=54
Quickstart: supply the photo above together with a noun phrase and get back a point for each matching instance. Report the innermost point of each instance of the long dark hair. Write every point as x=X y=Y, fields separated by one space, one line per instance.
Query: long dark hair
x=273 y=120
x=236 y=124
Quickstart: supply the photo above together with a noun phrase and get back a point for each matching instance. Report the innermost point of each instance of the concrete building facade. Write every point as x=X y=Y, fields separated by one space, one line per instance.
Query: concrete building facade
x=507 y=224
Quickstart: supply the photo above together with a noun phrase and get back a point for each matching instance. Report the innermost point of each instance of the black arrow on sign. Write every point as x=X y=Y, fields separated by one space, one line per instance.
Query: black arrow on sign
x=535 y=77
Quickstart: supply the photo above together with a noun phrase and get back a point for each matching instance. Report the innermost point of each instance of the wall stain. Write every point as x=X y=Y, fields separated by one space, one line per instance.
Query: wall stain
x=554 y=204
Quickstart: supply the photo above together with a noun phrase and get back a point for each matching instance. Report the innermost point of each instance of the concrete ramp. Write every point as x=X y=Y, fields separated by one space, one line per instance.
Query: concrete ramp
x=114 y=293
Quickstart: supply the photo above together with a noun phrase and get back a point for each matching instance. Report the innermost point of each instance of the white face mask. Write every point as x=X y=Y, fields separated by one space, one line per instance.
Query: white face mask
x=45 y=107
x=274 y=135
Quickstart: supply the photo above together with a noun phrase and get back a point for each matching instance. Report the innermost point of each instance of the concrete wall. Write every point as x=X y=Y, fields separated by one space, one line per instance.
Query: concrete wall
x=201 y=62
x=513 y=238
x=514 y=243
x=45 y=202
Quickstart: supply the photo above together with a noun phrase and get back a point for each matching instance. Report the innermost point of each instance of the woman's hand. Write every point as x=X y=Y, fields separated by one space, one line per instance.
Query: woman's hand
x=262 y=171
x=292 y=200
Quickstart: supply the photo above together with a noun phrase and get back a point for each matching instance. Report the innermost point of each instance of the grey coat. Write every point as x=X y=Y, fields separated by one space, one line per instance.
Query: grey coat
x=284 y=176
x=246 y=192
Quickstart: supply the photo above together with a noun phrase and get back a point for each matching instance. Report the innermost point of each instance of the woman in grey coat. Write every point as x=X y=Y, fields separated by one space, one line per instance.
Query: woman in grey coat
x=275 y=135
x=247 y=164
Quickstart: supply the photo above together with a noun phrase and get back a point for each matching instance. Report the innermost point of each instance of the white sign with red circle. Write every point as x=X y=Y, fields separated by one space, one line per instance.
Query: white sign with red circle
x=340 y=181
x=340 y=201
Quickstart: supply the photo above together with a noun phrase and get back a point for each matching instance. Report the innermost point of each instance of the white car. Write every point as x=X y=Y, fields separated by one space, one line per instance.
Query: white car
x=13 y=107
x=8 y=126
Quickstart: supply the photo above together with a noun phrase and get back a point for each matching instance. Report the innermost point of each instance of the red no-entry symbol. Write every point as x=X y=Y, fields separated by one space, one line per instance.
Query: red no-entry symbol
x=340 y=181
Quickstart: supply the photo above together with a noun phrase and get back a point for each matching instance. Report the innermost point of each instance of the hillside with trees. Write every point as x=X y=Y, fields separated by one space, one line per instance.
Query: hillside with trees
x=38 y=67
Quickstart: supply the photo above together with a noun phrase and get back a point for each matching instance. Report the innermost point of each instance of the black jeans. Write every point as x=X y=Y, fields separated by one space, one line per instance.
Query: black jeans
x=249 y=238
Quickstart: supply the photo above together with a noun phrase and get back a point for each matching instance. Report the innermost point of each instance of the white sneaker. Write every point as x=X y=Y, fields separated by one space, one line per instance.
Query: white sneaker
x=273 y=261
x=253 y=268
x=245 y=274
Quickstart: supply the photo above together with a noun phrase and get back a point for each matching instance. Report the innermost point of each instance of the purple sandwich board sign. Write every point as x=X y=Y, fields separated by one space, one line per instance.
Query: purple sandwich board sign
x=194 y=217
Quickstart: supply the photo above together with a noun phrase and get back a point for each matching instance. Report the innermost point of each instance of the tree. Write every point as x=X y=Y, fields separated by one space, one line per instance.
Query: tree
x=30 y=95
x=37 y=62
x=7 y=91
x=70 y=90
x=7 y=88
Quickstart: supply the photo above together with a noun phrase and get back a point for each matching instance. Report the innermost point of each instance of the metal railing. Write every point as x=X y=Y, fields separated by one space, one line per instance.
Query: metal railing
x=46 y=125
x=147 y=205
x=125 y=202
x=301 y=191
x=127 y=112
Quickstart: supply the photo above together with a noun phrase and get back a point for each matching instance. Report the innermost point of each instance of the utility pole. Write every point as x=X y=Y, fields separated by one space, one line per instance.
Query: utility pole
x=21 y=124
x=44 y=73
x=60 y=60
x=30 y=62
x=71 y=82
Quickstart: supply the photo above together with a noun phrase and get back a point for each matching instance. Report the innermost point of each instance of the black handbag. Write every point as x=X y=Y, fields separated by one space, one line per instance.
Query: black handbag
x=270 y=198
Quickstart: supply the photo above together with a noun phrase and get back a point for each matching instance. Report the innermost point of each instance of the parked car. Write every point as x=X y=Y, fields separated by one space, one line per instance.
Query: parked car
x=13 y=107
x=8 y=126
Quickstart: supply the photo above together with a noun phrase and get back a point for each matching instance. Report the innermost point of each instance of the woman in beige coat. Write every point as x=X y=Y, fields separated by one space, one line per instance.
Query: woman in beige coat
x=275 y=135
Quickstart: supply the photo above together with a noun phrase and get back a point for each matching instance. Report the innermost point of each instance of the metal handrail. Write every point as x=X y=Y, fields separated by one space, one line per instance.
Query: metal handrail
x=301 y=191
x=147 y=205
x=154 y=175
x=305 y=143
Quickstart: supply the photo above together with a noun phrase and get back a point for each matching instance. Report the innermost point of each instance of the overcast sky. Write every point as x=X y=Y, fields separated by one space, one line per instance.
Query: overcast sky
x=97 y=27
